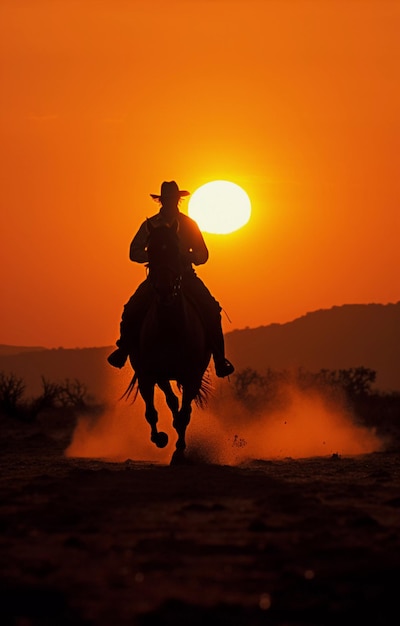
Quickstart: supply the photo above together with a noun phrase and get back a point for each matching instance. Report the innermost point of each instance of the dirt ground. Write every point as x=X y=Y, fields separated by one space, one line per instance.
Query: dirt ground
x=292 y=542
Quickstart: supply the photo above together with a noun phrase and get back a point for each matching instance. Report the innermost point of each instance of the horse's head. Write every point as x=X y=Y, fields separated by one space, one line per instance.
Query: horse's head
x=164 y=260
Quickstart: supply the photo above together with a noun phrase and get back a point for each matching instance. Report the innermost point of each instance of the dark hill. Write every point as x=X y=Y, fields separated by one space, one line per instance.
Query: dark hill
x=338 y=338
x=88 y=365
x=346 y=336
x=6 y=350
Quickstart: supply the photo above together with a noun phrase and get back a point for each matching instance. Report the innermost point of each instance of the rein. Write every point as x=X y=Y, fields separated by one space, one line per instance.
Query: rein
x=169 y=294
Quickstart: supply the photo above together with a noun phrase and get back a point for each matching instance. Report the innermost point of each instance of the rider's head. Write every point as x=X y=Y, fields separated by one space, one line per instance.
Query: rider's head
x=170 y=195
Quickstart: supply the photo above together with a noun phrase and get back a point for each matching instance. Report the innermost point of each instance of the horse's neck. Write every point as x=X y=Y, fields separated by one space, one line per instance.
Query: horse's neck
x=171 y=310
x=176 y=316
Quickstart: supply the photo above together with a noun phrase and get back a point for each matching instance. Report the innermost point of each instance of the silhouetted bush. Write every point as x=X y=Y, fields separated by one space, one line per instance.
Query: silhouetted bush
x=353 y=387
x=67 y=395
x=356 y=382
x=258 y=389
x=12 y=389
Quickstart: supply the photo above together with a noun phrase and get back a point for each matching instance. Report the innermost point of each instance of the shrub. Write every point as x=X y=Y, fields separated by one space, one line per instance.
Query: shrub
x=69 y=394
x=12 y=389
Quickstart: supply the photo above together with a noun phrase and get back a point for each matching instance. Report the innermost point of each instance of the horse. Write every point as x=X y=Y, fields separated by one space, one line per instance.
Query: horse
x=172 y=343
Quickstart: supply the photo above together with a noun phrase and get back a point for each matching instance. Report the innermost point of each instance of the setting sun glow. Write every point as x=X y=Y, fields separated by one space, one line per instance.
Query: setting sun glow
x=296 y=102
x=220 y=207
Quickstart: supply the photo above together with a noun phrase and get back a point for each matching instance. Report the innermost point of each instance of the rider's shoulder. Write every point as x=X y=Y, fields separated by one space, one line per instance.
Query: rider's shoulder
x=185 y=219
x=159 y=220
x=155 y=220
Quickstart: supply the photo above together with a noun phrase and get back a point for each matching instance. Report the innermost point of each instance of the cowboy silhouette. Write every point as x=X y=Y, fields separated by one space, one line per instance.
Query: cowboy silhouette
x=193 y=252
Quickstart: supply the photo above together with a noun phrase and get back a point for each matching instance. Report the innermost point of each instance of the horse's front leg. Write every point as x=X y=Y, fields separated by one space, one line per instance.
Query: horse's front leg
x=170 y=398
x=182 y=420
x=146 y=389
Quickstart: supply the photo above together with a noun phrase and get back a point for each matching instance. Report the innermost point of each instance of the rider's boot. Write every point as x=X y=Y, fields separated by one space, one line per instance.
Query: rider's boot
x=223 y=367
x=131 y=321
x=119 y=357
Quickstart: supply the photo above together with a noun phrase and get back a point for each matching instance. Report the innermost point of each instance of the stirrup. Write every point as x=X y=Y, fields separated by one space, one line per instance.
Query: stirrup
x=117 y=358
x=224 y=368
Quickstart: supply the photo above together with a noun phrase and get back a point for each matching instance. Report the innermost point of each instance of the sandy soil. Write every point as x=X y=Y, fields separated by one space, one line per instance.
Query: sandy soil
x=312 y=541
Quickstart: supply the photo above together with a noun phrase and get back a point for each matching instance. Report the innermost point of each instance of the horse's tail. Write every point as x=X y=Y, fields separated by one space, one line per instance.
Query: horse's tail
x=131 y=388
x=204 y=392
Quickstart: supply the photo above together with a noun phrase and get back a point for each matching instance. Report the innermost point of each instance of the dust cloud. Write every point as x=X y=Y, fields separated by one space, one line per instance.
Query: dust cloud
x=308 y=425
x=227 y=432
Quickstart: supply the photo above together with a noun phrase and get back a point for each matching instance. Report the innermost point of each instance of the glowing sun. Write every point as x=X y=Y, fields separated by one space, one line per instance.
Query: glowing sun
x=220 y=207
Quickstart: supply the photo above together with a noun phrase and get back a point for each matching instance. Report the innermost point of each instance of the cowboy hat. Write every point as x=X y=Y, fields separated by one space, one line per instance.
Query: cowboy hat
x=169 y=189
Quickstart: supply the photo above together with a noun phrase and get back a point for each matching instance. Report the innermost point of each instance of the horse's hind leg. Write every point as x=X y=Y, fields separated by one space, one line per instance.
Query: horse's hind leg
x=147 y=393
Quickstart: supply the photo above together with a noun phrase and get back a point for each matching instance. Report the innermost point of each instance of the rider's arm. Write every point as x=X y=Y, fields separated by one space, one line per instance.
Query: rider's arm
x=138 y=251
x=198 y=248
x=198 y=251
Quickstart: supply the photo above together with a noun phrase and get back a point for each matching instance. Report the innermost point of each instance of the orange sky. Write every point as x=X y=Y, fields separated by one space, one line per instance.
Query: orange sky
x=102 y=100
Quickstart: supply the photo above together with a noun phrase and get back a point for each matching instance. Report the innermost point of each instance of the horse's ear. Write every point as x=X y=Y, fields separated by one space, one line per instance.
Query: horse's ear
x=150 y=226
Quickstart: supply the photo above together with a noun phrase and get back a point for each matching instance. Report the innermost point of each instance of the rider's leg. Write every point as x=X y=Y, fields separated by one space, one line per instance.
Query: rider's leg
x=223 y=367
x=131 y=320
x=210 y=312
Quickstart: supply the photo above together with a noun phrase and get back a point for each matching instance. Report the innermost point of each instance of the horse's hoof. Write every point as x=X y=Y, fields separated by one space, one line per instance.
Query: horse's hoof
x=179 y=458
x=160 y=439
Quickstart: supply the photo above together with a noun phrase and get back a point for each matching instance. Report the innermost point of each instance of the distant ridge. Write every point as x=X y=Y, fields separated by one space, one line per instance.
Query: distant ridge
x=345 y=336
x=6 y=350
x=88 y=365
